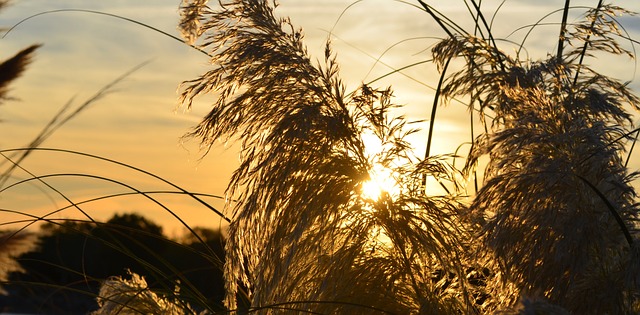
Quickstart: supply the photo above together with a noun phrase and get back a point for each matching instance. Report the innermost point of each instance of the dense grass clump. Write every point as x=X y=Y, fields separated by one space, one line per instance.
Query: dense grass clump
x=557 y=211
x=301 y=223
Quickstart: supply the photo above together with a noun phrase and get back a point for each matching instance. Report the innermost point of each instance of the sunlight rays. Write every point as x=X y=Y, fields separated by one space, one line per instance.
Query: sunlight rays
x=381 y=181
x=382 y=177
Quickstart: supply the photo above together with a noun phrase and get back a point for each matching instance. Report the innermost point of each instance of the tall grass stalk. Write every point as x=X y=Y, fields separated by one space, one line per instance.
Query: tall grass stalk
x=551 y=223
x=557 y=224
x=302 y=233
x=64 y=115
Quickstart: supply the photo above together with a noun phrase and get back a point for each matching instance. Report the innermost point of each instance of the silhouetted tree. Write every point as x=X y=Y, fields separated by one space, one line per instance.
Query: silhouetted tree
x=74 y=257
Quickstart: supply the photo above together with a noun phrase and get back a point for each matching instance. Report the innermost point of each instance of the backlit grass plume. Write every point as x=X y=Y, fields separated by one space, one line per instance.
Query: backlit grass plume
x=304 y=238
x=557 y=211
x=132 y=296
x=12 y=245
x=13 y=67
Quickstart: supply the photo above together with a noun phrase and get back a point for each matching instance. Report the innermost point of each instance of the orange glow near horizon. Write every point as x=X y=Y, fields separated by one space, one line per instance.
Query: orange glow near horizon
x=137 y=122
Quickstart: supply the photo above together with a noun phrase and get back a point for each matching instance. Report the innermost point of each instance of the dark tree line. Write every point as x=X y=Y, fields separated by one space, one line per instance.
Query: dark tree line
x=73 y=258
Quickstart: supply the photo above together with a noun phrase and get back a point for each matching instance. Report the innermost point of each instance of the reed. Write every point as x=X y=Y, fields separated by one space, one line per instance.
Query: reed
x=555 y=216
x=557 y=209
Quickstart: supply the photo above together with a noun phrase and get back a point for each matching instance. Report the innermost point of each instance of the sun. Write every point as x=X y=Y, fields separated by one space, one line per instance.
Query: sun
x=381 y=180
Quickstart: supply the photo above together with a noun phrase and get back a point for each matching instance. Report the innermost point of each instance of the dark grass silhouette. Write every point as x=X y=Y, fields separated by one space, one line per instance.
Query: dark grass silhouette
x=12 y=243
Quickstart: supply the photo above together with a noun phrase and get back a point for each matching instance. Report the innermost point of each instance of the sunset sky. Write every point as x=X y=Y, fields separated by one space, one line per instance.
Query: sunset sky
x=140 y=123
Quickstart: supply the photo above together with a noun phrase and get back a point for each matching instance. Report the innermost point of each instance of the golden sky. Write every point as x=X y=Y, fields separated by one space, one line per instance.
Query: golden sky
x=140 y=123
